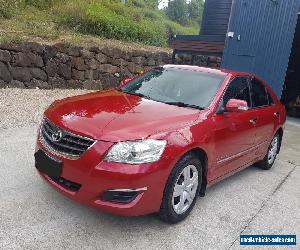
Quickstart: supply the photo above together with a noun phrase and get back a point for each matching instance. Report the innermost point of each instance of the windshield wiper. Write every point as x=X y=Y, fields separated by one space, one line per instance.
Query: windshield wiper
x=139 y=94
x=182 y=104
x=132 y=93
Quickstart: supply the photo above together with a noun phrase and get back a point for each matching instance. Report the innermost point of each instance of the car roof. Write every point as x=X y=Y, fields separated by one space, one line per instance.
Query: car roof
x=219 y=71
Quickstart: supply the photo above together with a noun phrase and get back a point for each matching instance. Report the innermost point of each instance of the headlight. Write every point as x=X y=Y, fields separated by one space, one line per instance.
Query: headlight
x=136 y=152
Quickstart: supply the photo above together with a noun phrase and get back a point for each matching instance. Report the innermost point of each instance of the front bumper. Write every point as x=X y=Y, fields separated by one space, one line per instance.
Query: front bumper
x=96 y=176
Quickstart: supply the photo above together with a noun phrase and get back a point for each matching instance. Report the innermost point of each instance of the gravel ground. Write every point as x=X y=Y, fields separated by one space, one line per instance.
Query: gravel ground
x=22 y=107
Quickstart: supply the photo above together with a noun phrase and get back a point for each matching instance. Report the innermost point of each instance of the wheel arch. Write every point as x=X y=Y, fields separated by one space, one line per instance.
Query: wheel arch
x=280 y=132
x=202 y=155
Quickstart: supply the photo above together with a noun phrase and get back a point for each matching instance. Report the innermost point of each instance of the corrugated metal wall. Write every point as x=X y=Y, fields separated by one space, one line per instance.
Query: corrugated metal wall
x=215 y=17
x=263 y=36
x=292 y=89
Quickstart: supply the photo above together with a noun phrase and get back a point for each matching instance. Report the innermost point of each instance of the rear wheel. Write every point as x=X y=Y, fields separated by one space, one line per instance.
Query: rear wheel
x=270 y=157
x=181 y=189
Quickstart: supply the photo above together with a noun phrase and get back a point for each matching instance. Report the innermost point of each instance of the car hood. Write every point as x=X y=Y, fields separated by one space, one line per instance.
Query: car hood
x=116 y=116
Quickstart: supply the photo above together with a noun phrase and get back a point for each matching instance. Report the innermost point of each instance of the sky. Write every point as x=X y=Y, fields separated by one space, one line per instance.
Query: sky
x=164 y=3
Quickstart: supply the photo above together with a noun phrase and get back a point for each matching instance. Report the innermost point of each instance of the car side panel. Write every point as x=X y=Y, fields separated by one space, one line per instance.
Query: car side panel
x=266 y=124
x=269 y=120
x=234 y=140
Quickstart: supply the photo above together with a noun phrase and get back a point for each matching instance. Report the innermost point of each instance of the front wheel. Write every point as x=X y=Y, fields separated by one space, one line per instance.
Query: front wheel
x=270 y=157
x=181 y=189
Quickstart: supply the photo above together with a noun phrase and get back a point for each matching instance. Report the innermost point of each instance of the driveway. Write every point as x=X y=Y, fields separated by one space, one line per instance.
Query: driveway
x=34 y=216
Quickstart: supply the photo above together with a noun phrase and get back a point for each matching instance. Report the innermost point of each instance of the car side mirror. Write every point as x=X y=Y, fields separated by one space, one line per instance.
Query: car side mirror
x=236 y=105
x=125 y=81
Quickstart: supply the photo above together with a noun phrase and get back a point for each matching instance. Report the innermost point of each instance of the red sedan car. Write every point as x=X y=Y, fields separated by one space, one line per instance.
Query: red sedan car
x=157 y=142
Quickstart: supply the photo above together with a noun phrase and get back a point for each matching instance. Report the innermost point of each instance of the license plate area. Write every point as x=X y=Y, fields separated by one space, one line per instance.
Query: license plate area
x=47 y=165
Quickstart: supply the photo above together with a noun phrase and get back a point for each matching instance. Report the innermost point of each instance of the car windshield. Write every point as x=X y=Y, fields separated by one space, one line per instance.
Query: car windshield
x=179 y=87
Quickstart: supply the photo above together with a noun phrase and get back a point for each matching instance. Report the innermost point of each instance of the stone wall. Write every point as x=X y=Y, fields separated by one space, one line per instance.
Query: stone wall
x=32 y=65
x=199 y=60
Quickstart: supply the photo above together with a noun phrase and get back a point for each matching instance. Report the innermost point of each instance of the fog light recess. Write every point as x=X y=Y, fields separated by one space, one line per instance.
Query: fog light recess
x=121 y=195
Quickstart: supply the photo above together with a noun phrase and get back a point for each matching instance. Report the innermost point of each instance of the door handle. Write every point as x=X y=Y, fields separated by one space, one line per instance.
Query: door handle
x=276 y=113
x=253 y=120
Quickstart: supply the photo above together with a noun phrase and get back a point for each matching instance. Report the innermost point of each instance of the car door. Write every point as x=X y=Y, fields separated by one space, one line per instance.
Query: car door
x=267 y=114
x=234 y=132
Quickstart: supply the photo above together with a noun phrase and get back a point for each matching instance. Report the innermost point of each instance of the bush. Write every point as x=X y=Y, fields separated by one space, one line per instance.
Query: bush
x=153 y=15
x=98 y=19
x=137 y=3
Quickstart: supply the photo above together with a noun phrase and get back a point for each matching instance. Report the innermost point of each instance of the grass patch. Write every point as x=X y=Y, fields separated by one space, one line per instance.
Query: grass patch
x=51 y=19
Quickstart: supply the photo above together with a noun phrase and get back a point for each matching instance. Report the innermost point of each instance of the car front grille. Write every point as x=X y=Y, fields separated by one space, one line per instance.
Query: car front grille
x=62 y=142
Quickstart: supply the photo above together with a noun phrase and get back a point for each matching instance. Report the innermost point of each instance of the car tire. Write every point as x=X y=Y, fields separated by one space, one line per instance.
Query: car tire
x=182 y=180
x=271 y=155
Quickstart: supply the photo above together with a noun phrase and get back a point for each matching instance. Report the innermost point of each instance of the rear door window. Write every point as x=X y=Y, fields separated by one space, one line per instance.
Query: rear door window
x=259 y=94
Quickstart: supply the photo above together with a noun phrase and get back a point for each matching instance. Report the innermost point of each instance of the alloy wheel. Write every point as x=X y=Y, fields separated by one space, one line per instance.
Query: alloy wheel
x=273 y=150
x=185 y=189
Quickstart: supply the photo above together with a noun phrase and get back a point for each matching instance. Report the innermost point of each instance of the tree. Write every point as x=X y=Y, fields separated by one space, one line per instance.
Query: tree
x=152 y=3
x=184 y=13
x=177 y=11
x=195 y=10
